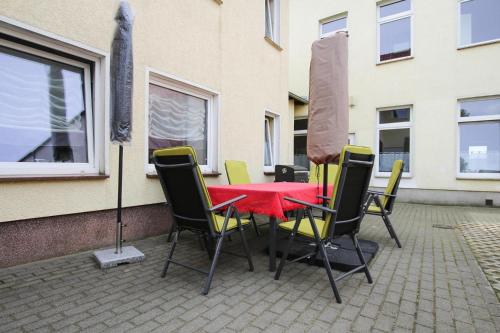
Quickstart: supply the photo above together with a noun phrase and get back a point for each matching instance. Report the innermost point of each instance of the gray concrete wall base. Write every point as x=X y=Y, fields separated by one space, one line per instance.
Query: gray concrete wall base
x=445 y=197
x=35 y=239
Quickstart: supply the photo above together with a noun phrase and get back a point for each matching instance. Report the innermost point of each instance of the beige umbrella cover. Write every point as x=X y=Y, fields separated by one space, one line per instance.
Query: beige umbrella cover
x=328 y=123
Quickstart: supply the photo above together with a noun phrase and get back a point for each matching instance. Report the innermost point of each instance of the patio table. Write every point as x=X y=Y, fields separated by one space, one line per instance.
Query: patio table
x=268 y=199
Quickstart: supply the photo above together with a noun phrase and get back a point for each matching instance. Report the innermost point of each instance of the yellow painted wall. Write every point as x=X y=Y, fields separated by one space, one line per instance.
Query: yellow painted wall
x=432 y=81
x=221 y=47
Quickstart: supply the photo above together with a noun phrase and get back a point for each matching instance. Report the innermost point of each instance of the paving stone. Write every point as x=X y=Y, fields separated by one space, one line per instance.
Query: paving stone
x=363 y=324
x=438 y=282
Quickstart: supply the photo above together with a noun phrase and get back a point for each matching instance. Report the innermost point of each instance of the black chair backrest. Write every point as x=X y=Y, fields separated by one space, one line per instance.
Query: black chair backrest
x=354 y=179
x=184 y=192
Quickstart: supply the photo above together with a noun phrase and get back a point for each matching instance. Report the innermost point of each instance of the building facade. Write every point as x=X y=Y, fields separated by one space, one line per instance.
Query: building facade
x=424 y=86
x=212 y=74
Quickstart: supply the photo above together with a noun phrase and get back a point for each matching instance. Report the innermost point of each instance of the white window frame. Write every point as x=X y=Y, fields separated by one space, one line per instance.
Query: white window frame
x=275 y=140
x=212 y=97
x=332 y=19
x=97 y=108
x=274 y=25
x=400 y=125
x=459 y=29
x=473 y=119
x=392 y=18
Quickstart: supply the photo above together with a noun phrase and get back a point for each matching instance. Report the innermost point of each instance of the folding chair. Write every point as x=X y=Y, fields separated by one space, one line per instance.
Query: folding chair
x=187 y=195
x=237 y=173
x=343 y=215
x=383 y=202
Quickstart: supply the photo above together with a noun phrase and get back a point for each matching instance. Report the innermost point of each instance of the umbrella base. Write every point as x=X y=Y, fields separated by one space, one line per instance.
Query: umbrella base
x=108 y=258
x=342 y=256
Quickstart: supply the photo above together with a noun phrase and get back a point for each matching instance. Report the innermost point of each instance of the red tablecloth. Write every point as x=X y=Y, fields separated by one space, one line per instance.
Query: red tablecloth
x=267 y=198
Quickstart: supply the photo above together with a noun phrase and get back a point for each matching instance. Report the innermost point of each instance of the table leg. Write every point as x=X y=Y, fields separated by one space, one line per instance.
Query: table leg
x=272 y=243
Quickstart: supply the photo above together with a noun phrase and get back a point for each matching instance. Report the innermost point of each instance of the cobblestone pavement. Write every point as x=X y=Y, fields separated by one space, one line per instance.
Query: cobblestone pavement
x=433 y=283
x=484 y=240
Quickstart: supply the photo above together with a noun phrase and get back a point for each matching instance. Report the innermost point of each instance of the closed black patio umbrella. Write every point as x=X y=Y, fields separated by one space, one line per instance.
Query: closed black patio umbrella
x=122 y=66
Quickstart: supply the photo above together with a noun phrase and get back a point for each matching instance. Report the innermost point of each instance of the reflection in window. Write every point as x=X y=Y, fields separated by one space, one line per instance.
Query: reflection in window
x=479 y=133
x=43 y=114
x=177 y=119
x=395 y=8
x=272 y=12
x=394 y=116
x=394 y=37
x=479 y=21
x=333 y=26
x=268 y=141
x=300 y=151
x=394 y=133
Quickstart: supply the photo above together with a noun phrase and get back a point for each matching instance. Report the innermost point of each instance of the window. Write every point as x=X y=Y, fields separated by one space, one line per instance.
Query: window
x=479 y=138
x=181 y=114
x=394 y=30
x=47 y=119
x=393 y=136
x=272 y=12
x=271 y=141
x=351 y=139
x=328 y=27
x=300 y=143
x=479 y=21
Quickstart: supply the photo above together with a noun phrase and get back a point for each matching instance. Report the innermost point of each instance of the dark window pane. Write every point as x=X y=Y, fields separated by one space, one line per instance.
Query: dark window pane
x=177 y=119
x=300 y=151
x=339 y=24
x=394 y=116
x=395 y=39
x=42 y=113
x=395 y=8
x=485 y=107
x=394 y=145
x=480 y=147
x=479 y=21
x=300 y=124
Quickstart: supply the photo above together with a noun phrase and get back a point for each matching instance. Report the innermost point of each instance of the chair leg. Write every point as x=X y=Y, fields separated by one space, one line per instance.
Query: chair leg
x=212 y=266
x=390 y=228
x=201 y=242
x=254 y=223
x=171 y=232
x=170 y=255
x=208 y=245
x=329 y=272
x=284 y=256
x=361 y=258
x=312 y=259
x=245 y=247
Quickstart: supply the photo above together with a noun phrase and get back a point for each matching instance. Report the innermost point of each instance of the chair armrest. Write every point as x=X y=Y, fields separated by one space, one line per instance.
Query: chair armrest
x=325 y=209
x=227 y=203
x=380 y=193
x=323 y=197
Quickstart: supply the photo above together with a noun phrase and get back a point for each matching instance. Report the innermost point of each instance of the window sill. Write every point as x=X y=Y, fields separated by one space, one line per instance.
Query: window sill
x=212 y=174
x=273 y=43
x=26 y=178
x=489 y=42
x=393 y=60
x=388 y=175
x=475 y=177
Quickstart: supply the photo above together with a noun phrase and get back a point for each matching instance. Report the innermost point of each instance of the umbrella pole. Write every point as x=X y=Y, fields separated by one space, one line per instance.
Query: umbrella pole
x=325 y=186
x=119 y=225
